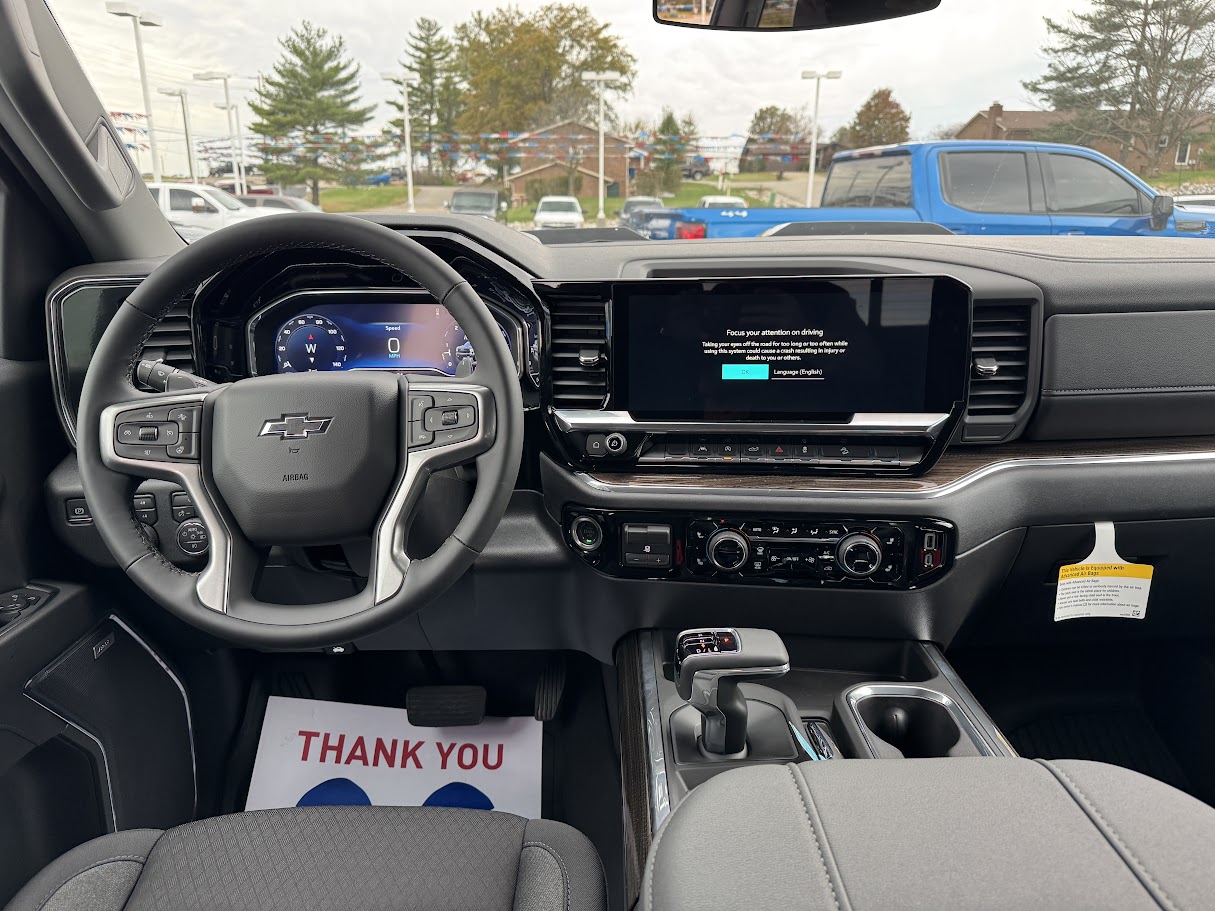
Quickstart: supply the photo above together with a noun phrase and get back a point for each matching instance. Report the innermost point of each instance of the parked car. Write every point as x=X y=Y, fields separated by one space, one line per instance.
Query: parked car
x=1201 y=200
x=278 y=203
x=634 y=205
x=979 y=187
x=696 y=168
x=378 y=180
x=485 y=203
x=202 y=206
x=721 y=202
x=559 y=212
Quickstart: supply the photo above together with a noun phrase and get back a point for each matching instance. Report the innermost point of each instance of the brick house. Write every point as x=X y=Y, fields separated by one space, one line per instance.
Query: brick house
x=550 y=154
x=998 y=123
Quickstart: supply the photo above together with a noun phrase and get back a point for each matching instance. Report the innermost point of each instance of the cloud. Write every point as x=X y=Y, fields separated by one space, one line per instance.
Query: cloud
x=943 y=66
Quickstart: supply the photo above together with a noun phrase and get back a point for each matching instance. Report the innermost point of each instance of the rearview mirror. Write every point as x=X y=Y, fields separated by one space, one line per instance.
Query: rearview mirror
x=1162 y=211
x=764 y=15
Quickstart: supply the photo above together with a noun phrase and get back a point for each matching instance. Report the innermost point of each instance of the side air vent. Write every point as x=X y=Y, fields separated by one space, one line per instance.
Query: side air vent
x=999 y=358
x=171 y=340
x=579 y=353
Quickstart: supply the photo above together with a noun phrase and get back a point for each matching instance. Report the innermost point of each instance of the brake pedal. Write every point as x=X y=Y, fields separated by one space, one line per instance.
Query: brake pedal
x=445 y=706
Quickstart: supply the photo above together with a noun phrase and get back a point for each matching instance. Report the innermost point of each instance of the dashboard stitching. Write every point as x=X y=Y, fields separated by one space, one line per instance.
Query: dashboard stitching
x=1098 y=390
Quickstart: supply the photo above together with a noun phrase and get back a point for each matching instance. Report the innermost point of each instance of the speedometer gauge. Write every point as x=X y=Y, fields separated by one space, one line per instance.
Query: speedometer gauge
x=309 y=343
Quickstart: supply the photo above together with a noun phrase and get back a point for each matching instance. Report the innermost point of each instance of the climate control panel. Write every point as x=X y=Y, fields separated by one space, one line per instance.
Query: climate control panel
x=882 y=553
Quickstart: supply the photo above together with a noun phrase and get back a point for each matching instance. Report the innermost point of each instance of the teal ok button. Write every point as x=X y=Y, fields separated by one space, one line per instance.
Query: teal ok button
x=744 y=371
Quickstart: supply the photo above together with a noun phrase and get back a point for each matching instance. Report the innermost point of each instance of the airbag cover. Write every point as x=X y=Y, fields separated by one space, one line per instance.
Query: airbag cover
x=306 y=458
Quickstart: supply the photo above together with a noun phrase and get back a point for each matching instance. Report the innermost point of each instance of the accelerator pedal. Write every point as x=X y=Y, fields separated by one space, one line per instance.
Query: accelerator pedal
x=549 y=690
x=445 y=706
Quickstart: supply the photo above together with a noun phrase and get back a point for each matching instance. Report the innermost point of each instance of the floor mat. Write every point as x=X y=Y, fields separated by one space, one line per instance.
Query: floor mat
x=1124 y=738
x=312 y=752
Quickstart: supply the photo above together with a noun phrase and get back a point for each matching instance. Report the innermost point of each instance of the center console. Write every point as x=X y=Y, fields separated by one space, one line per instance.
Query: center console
x=841 y=374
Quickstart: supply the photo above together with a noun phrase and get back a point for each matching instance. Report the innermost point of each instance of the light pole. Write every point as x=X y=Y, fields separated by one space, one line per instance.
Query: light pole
x=405 y=80
x=601 y=81
x=185 y=119
x=149 y=20
x=818 y=76
x=237 y=169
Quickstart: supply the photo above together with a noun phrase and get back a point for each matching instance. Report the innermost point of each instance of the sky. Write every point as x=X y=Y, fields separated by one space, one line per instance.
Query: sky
x=943 y=66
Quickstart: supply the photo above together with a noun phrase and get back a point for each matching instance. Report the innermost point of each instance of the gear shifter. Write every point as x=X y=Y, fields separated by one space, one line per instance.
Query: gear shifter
x=709 y=665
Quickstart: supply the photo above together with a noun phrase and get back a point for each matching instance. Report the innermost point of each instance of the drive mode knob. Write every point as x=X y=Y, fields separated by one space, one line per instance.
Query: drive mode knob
x=859 y=555
x=727 y=550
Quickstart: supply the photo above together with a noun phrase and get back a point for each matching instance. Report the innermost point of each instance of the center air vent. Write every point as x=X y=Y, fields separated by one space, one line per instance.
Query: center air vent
x=1001 y=363
x=171 y=340
x=579 y=354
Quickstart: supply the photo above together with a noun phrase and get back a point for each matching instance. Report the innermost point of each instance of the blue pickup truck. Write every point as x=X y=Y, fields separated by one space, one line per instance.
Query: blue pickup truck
x=971 y=188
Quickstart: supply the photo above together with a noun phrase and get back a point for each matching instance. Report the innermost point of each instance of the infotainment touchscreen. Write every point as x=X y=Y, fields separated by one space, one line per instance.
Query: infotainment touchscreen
x=773 y=349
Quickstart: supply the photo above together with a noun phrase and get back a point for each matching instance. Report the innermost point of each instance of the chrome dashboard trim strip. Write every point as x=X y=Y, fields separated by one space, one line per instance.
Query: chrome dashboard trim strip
x=518 y=347
x=572 y=419
x=912 y=495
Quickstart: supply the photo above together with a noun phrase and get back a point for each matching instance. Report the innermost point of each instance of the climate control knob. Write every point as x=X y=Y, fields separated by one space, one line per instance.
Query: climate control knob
x=727 y=550
x=859 y=555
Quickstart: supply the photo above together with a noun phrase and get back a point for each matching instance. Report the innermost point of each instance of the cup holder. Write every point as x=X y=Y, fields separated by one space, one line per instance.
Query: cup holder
x=913 y=722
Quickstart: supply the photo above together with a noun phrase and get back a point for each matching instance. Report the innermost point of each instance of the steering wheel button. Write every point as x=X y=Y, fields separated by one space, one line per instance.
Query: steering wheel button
x=419 y=435
x=186 y=447
x=418 y=404
x=141 y=452
x=459 y=435
x=188 y=418
x=148 y=433
x=143 y=416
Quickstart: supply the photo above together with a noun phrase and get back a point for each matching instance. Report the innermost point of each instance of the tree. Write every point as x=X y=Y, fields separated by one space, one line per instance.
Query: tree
x=1134 y=72
x=311 y=94
x=879 y=121
x=946 y=131
x=782 y=123
x=436 y=97
x=523 y=70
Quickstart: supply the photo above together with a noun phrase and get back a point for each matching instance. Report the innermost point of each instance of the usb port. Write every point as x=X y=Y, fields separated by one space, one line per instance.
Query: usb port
x=930 y=540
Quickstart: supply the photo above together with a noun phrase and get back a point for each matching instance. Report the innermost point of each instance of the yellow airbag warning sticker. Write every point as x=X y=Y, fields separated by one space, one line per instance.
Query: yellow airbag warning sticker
x=1103 y=585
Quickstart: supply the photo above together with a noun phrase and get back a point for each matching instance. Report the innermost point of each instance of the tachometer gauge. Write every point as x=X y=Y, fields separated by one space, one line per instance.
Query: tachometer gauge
x=309 y=343
x=459 y=359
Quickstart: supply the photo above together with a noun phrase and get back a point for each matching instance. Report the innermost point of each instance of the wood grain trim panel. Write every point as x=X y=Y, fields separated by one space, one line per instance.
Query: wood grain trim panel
x=953 y=466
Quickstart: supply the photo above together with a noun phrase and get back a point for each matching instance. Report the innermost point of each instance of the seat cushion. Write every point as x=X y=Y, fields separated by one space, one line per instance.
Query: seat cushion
x=330 y=859
x=963 y=834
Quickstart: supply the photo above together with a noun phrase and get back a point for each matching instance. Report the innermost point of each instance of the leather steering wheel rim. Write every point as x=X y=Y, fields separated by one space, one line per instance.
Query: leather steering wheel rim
x=109 y=481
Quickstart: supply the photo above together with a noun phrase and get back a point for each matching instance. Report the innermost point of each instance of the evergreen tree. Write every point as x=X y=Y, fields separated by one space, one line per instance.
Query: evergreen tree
x=1135 y=72
x=436 y=97
x=879 y=121
x=307 y=108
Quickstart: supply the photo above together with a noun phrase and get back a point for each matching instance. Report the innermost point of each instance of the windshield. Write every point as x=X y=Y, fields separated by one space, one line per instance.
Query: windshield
x=225 y=199
x=1047 y=120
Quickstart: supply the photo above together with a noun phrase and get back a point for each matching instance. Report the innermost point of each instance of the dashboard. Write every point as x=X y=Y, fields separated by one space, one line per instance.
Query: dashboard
x=900 y=426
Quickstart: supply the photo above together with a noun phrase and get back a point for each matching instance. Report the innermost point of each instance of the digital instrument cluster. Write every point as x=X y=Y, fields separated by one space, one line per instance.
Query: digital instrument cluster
x=319 y=333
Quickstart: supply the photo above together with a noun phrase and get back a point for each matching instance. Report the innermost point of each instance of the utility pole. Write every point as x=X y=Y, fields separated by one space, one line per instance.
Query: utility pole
x=405 y=80
x=185 y=119
x=818 y=76
x=237 y=170
x=601 y=81
x=141 y=20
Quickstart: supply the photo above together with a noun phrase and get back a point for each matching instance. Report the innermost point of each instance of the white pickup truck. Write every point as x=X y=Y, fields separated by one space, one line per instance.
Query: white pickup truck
x=196 y=205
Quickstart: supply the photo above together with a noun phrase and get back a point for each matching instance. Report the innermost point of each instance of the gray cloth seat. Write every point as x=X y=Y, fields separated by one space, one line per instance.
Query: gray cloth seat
x=329 y=859
x=972 y=834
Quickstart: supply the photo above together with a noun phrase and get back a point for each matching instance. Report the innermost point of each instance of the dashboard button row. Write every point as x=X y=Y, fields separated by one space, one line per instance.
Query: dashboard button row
x=791 y=451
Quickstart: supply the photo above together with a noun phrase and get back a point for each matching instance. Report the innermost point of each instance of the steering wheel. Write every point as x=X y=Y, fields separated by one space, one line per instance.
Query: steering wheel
x=313 y=458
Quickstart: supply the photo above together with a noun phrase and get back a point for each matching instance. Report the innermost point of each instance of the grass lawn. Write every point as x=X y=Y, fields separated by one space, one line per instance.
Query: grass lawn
x=361 y=199
x=1177 y=178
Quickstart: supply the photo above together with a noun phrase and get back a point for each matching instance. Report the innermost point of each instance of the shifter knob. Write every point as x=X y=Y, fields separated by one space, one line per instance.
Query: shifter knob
x=709 y=665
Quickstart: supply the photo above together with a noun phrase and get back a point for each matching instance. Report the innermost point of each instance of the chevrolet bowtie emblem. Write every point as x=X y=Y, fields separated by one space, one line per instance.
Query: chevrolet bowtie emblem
x=295 y=427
